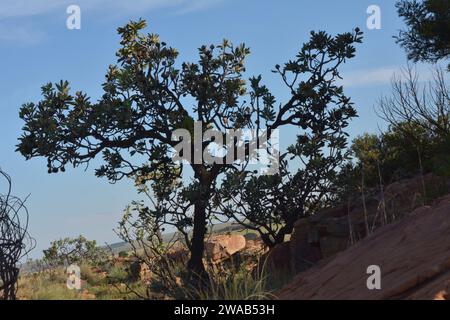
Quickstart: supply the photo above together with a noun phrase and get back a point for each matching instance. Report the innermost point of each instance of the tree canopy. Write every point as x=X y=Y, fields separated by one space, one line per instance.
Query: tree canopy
x=427 y=36
x=148 y=95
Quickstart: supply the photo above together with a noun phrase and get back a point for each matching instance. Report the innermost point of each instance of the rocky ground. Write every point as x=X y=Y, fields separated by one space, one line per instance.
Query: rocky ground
x=413 y=255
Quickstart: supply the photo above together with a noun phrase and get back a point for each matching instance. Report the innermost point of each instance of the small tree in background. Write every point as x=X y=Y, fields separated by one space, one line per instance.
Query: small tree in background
x=67 y=251
x=369 y=150
x=420 y=113
x=413 y=104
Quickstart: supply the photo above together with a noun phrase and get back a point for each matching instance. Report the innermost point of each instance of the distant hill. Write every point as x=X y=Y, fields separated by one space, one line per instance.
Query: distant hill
x=217 y=228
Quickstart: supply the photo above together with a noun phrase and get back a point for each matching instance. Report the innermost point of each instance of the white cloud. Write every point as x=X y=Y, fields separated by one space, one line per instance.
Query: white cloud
x=369 y=77
x=26 y=8
x=23 y=35
x=379 y=76
x=16 y=24
x=197 y=5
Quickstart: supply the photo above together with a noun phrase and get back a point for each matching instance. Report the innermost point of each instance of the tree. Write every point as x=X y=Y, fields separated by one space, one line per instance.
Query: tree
x=427 y=36
x=143 y=232
x=421 y=114
x=405 y=150
x=15 y=241
x=123 y=254
x=418 y=105
x=147 y=97
x=271 y=204
x=67 y=251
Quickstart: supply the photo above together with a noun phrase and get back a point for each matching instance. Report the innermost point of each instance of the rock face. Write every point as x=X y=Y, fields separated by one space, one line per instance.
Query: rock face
x=413 y=255
x=272 y=261
x=254 y=247
x=222 y=247
x=333 y=230
x=145 y=274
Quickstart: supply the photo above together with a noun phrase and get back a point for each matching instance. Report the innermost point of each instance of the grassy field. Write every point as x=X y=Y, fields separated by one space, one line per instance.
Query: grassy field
x=51 y=285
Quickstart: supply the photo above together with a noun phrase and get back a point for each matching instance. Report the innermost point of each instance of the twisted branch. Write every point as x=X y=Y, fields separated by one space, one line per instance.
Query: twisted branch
x=15 y=241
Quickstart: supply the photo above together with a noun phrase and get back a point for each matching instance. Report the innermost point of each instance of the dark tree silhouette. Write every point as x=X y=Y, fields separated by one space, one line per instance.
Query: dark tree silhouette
x=15 y=242
x=147 y=97
x=427 y=36
x=425 y=105
x=271 y=204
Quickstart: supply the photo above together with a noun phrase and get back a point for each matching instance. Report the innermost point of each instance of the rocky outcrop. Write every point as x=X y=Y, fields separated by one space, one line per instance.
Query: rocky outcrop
x=332 y=230
x=254 y=247
x=272 y=261
x=145 y=274
x=413 y=255
x=222 y=247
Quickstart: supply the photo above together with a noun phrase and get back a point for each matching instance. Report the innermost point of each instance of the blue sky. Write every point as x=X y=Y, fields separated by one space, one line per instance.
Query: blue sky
x=36 y=47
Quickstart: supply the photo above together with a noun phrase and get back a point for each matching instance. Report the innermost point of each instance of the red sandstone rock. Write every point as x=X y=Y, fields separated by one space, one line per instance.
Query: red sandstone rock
x=222 y=247
x=413 y=255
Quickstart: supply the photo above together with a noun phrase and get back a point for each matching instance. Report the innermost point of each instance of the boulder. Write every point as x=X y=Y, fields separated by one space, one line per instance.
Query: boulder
x=303 y=246
x=85 y=295
x=332 y=230
x=222 y=247
x=413 y=255
x=277 y=261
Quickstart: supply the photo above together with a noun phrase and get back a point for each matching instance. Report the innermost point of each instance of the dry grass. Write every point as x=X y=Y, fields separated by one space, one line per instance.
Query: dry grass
x=48 y=285
x=51 y=285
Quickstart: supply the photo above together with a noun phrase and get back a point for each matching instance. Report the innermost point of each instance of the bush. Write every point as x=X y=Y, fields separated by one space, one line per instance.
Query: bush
x=79 y=250
x=232 y=284
x=90 y=276
x=392 y=156
x=117 y=274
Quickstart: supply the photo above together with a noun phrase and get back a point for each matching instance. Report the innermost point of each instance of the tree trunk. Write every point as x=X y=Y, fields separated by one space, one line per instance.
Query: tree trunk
x=195 y=264
x=286 y=229
x=196 y=268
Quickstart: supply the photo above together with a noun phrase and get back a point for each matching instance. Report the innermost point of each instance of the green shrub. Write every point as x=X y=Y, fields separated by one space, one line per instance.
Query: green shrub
x=90 y=276
x=117 y=274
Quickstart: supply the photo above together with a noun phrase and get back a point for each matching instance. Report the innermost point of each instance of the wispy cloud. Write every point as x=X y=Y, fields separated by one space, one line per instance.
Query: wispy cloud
x=17 y=16
x=26 y=8
x=379 y=76
x=23 y=35
x=198 y=5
